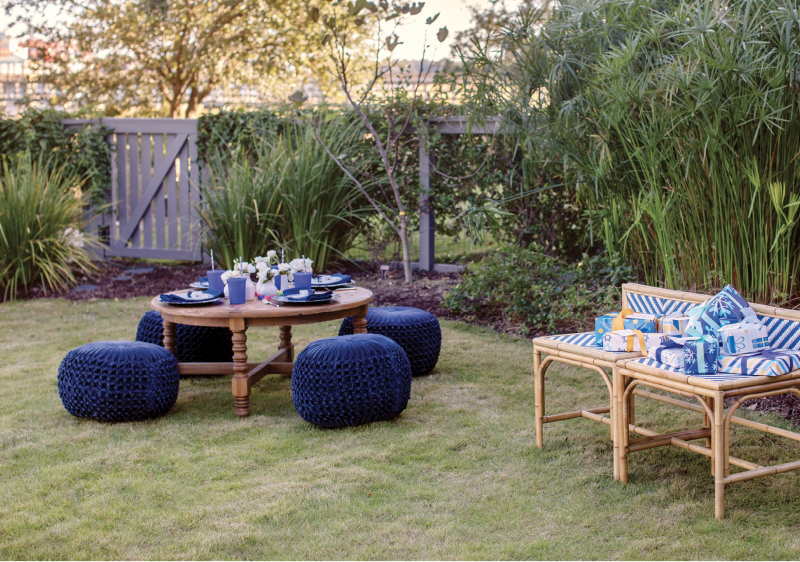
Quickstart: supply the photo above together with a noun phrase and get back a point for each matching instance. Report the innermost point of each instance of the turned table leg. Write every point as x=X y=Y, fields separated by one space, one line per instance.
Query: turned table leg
x=169 y=336
x=240 y=384
x=286 y=343
x=360 y=321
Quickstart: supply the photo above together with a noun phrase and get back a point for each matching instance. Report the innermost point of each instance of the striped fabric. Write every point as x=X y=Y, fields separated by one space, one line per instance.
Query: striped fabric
x=582 y=340
x=657 y=305
x=783 y=334
x=715 y=377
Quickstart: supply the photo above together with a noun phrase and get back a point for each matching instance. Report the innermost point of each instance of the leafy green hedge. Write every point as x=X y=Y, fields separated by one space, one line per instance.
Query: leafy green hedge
x=538 y=292
x=83 y=153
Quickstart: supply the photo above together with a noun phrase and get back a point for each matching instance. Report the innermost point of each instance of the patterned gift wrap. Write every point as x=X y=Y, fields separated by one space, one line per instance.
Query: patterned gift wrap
x=726 y=307
x=605 y=324
x=771 y=363
x=671 y=355
x=701 y=355
x=743 y=338
x=628 y=341
x=674 y=326
x=645 y=323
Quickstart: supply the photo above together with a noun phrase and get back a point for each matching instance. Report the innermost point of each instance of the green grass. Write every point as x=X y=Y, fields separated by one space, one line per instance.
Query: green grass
x=457 y=475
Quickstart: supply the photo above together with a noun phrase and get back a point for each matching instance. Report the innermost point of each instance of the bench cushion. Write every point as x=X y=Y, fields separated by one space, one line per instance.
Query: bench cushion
x=657 y=305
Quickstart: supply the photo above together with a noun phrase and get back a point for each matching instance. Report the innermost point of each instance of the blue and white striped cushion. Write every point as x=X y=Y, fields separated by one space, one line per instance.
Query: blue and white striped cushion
x=783 y=334
x=582 y=340
x=715 y=377
x=657 y=305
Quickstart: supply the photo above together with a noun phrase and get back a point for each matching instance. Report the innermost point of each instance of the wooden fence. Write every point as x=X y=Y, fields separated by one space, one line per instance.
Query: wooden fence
x=154 y=199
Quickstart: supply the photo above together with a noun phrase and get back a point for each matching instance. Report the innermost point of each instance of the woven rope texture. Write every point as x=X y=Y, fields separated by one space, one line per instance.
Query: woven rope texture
x=118 y=381
x=351 y=380
x=193 y=344
x=417 y=331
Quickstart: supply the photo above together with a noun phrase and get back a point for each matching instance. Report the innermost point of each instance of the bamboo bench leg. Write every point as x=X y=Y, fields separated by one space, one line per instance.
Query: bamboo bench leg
x=616 y=424
x=718 y=460
x=538 y=378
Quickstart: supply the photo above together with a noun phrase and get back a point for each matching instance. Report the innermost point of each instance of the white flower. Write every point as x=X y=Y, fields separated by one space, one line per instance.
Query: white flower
x=261 y=266
x=229 y=274
x=300 y=265
x=260 y=259
x=284 y=268
x=272 y=255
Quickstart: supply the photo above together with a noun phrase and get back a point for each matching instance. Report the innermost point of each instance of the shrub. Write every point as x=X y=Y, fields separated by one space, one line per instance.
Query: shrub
x=82 y=152
x=537 y=292
x=40 y=226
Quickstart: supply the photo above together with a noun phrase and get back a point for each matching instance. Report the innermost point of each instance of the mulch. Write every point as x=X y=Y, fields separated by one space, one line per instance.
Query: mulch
x=119 y=279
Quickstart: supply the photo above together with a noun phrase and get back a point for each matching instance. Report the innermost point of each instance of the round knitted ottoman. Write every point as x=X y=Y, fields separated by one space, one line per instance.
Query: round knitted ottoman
x=351 y=380
x=118 y=381
x=417 y=332
x=193 y=344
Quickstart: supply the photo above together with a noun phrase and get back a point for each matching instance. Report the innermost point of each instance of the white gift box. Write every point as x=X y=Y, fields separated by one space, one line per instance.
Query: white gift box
x=672 y=356
x=628 y=341
x=742 y=338
x=674 y=326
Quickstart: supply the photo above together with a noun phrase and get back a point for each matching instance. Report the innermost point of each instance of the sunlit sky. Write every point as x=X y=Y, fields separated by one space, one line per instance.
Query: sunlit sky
x=454 y=15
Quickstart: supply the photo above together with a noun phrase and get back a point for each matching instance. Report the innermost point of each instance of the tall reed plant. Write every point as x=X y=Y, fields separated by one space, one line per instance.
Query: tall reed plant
x=285 y=192
x=41 y=238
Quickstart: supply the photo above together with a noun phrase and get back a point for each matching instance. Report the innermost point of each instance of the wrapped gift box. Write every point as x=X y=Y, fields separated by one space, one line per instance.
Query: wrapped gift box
x=628 y=340
x=701 y=355
x=742 y=338
x=674 y=326
x=645 y=323
x=605 y=324
x=726 y=307
x=672 y=355
x=771 y=363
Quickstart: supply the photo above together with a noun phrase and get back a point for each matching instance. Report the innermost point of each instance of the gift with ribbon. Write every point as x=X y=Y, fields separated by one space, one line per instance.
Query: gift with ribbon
x=645 y=323
x=701 y=355
x=610 y=322
x=674 y=326
x=621 y=341
x=770 y=363
x=745 y=337
x=670 y=352
x=726 y=307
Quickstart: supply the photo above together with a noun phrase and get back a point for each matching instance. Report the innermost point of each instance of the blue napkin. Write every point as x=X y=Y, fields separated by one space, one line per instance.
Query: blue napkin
x=203 y=280
x=293 y=294
x=208 y=294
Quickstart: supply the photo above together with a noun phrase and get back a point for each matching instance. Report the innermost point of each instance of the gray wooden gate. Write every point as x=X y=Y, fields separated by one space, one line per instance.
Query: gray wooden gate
x=155 y=189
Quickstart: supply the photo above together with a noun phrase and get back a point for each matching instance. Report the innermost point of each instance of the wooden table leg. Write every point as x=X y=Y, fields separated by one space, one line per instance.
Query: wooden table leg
x=169 y=336
x=360 y=321
x=240 y=385
x=286 y=343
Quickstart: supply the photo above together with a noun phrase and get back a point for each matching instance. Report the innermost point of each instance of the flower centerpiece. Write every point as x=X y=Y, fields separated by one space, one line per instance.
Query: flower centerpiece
x=284 y=270
x=241 y=269
x=266 y=285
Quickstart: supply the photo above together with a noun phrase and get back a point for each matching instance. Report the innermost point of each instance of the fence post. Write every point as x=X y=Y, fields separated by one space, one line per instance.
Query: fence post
x=427 y=226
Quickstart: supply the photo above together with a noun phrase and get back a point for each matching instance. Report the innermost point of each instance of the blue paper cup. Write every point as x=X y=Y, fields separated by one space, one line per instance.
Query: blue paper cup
x=302 y=280
x=215 y=280
x=236 y=289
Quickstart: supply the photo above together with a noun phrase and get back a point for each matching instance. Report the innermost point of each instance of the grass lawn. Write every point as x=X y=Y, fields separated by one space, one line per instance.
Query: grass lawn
x=457 y=475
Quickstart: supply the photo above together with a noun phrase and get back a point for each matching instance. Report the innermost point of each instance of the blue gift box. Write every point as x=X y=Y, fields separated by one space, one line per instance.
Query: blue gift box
x=605 y=324
x=645 y=323
x=701 y=355
x=726 y=307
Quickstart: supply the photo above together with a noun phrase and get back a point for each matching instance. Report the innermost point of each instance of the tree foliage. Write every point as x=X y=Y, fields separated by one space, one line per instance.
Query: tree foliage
x=161 y=58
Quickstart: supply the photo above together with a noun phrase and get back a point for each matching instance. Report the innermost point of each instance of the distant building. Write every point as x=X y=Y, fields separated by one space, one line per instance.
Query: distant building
x=12 y=78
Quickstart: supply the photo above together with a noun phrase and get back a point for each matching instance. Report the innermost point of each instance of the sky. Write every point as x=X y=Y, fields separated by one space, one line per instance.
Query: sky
x=454 y=15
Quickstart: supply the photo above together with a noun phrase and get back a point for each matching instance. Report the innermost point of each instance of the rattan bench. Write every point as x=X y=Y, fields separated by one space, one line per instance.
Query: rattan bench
x=579 y=350
x=709 y=393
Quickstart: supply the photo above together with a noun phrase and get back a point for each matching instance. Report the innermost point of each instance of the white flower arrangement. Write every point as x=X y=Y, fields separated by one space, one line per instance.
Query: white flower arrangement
x=231 y=273
x=300 y=264
x=284 y=268
x=244 y=267
x=265 y=272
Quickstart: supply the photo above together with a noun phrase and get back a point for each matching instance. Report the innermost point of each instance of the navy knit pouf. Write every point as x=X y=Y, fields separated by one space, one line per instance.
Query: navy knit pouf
x=351 y=380
x=193 y=344
x=118 y=381
x=418 y=333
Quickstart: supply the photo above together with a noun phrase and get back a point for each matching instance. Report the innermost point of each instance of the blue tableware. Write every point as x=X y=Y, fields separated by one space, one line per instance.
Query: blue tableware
x=236 y=290
x=302 y=280
x=215 y=279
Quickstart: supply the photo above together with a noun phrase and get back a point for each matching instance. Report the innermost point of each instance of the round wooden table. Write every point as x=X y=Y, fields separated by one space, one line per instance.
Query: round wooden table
x=239 y=317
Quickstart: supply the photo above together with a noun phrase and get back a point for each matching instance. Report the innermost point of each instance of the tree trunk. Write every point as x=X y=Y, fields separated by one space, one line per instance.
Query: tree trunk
x=406 y=253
